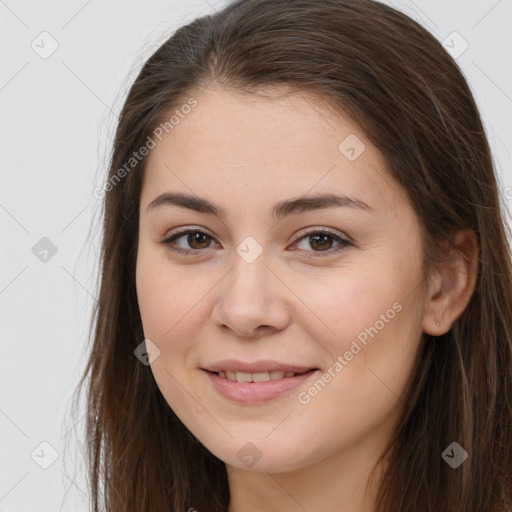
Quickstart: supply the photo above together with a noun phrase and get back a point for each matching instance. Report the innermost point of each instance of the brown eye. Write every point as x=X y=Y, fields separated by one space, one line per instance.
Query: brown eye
x=194 y=241
x=199 y=238
x=321 y=241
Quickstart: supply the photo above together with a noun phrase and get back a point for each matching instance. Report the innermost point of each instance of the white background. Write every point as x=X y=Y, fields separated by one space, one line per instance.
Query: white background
x=57 y=120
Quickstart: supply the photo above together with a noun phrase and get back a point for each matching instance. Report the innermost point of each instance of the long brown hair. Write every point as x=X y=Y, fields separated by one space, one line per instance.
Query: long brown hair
x=395 y=80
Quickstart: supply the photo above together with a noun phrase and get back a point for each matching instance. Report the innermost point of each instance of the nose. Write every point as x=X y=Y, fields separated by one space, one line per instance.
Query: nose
x=251 y=301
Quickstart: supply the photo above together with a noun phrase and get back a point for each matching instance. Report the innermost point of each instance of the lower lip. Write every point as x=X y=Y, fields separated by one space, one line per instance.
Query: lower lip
x=253 y=392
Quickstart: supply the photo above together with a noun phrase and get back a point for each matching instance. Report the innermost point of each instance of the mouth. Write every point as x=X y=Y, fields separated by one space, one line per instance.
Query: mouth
x=256 y=382
x=263 y=376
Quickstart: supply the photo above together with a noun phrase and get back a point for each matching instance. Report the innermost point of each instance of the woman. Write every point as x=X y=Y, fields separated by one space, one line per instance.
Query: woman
x=306 y=287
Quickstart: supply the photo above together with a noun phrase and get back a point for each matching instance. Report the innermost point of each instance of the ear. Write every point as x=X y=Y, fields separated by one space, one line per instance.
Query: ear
x=452 y=284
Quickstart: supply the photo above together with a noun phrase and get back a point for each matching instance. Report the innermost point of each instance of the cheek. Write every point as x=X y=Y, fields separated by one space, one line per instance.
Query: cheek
x=363 y=387
x=168 y=297
x=370 y=322
x=174 y=304
x=168 y=304
x=342 y=304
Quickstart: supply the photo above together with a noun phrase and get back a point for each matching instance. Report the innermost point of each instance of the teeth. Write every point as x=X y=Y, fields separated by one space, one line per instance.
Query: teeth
x=255 y=377
x=260 y=377
x=243 y=377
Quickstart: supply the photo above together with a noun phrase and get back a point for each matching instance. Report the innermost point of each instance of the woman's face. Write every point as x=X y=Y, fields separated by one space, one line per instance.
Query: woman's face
x=276 y=281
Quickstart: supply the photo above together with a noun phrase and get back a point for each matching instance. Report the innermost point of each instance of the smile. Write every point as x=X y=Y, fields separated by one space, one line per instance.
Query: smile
x=252 y=383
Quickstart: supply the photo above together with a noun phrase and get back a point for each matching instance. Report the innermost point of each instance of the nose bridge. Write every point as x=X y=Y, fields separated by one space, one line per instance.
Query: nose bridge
x=249 y=264
x=249 y=277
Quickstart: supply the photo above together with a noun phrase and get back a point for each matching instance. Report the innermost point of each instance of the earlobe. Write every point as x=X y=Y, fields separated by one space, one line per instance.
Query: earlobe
x=452 y=284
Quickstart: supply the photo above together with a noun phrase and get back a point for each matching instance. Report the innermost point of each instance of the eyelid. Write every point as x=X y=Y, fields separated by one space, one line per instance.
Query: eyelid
x=322 y=229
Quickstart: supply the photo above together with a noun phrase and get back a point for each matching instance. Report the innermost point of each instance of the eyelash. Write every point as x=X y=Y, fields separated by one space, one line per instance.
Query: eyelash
x=313 y=231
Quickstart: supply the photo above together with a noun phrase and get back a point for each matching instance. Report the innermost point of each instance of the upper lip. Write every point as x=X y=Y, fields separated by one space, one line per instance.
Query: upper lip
x=233 y=365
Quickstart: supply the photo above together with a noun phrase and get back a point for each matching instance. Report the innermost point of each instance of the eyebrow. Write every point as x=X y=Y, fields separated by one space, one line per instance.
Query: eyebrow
x=280 y=209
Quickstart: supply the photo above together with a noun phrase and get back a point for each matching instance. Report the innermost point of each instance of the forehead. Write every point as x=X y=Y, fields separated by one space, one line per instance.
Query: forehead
x=246 y=150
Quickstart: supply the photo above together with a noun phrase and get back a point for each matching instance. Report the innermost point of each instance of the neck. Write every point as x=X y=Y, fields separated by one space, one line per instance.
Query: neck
x=337 y=483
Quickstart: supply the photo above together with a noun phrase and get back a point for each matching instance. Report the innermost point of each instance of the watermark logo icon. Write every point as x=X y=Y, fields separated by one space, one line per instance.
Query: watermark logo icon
x=44 y=45
x=455 y=45
x=249 y=454
x=249 y=249
x=44 y=455
x=147 y=352
x=454 y=455
x=352 y=147
x=44 y=250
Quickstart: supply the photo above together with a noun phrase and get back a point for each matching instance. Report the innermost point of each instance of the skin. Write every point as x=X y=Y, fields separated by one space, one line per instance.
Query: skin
x=245 y=154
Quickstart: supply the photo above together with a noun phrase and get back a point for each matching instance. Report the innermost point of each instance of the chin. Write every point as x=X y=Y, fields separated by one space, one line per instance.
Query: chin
x=261 y=454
